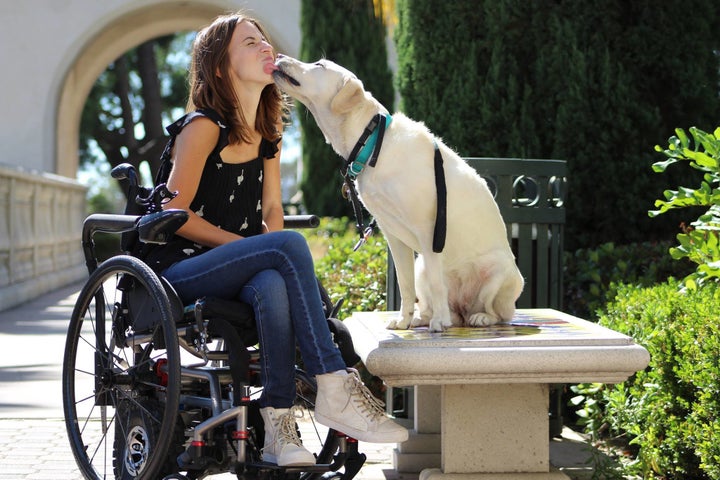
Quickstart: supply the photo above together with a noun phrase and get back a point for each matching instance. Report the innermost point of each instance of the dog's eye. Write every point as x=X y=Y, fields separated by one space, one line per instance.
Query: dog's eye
x=320 y=64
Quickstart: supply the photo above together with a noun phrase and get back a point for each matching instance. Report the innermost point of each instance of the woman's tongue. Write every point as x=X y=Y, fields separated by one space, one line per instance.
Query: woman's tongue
x=270 y=67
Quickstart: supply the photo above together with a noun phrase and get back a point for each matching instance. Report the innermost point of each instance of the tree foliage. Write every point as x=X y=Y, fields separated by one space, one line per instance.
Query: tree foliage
x=596 y=83
x=352 y=34
x=132 y=100
x=700 y=241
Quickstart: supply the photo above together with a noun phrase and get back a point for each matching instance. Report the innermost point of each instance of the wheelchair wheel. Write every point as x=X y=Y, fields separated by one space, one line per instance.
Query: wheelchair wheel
x=121 y=373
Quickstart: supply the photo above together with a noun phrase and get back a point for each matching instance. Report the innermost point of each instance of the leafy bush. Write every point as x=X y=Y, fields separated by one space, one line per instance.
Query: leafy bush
x=357 y=277
x=701 y=241
x=669 y=412
x=590 y=275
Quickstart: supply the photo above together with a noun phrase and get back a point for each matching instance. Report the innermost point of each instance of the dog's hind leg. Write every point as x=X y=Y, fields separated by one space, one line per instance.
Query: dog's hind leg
x=504 y=303
x=404 y=258
x=497 y=300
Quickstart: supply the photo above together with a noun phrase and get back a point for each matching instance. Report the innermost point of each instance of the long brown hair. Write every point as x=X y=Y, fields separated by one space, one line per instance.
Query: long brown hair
x=208 y=90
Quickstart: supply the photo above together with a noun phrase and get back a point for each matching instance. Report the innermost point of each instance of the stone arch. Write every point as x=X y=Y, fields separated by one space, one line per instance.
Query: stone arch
x=125 y=31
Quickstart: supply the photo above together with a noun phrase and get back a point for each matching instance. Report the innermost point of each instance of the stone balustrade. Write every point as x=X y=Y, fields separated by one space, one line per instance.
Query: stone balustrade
x=41 y=219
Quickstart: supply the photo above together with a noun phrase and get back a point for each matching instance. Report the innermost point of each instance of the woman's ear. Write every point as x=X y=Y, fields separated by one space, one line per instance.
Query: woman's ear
x=348 y=97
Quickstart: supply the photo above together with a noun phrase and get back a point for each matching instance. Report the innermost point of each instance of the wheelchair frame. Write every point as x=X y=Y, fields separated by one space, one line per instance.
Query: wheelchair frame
x=132 y=409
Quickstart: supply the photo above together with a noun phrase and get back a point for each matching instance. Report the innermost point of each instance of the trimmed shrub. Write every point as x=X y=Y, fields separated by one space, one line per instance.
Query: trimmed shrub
x=566 y=80
x=356 y=277
x=669 y=412
x=590 y=274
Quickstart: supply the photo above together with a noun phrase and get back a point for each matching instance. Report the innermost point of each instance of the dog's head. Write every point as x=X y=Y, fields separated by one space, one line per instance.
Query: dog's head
x=322 y=84
x=331 y=93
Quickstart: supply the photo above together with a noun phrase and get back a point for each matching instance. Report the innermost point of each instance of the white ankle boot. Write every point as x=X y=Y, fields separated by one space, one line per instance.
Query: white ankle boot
x=282 y=444
x=344 y=403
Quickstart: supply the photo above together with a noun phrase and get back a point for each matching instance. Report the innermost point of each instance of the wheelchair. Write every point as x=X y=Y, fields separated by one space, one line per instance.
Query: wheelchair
x=156 y=389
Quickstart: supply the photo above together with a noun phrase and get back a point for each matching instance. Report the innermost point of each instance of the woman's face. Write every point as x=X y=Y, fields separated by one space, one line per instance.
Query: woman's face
x=251 y=57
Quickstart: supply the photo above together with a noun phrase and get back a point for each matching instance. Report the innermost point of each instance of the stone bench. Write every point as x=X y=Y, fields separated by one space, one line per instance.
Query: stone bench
x=486 y=406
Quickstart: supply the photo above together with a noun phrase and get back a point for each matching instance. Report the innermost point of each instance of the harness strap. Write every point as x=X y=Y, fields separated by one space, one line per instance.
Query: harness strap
x=441 y=216
x=357 y=207
x=379 y=140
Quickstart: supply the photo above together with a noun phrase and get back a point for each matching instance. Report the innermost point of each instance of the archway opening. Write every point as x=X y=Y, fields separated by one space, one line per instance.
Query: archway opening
x=120 y=35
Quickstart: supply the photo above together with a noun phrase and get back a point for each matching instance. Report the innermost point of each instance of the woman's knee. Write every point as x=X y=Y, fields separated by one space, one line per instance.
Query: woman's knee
x=295 y=244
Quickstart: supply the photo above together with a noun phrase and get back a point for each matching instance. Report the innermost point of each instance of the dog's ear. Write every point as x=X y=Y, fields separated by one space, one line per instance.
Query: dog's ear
x=348 y=97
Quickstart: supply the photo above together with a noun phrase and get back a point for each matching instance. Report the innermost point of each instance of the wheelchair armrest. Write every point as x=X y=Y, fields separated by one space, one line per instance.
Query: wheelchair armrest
x=301 y=221
x=107 y=223
x=158 y=227
x=152 y=228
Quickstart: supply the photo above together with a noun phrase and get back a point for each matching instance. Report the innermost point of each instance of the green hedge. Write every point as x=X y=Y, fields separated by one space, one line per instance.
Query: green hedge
x=358 y=278
x=590 y=275
x=670 y=412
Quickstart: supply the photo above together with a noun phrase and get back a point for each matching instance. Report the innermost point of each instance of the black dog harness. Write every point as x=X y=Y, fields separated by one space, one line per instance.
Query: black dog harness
x=440 y=231
x=365 y=152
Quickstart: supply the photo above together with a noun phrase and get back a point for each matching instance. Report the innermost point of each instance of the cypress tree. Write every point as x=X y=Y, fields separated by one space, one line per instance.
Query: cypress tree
x=597 y=83
x=351 y=34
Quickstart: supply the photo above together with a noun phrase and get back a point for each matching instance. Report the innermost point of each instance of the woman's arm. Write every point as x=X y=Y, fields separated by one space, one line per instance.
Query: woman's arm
x=272 y=208
x=192 y=147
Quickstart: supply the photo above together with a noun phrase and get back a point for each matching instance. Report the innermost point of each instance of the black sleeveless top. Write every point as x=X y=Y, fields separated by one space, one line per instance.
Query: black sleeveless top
x=229 y=194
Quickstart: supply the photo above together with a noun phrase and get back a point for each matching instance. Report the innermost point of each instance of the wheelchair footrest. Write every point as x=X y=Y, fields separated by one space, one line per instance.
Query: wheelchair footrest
x=318 y=468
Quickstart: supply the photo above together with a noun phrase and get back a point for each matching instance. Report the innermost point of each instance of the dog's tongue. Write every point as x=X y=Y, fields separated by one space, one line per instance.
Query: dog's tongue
x=270 y=67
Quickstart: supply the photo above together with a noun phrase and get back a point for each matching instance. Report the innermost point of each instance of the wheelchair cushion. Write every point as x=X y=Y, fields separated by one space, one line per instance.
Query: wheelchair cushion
x=238 y=314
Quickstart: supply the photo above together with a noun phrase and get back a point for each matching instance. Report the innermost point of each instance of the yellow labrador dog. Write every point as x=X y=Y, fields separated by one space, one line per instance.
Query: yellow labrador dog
x=473 y=280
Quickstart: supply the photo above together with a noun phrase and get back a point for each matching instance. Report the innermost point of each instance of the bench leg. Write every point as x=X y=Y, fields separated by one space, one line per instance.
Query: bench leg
x=422 y=450
x=494 y=432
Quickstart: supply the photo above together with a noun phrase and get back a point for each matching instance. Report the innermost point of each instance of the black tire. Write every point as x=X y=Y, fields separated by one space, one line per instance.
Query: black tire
x=110 y=377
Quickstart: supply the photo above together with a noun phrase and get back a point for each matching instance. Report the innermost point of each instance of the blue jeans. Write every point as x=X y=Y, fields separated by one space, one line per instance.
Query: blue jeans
x=274 y=273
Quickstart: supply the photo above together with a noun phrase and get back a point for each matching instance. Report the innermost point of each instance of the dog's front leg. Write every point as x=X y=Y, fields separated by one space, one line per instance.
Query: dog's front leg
x=404 y=258
x=437 y=291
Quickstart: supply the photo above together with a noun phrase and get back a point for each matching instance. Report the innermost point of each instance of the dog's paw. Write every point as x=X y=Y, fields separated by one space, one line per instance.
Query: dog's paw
x=421 y=317
x=399 y=323
x=481 y=319
x=437 y=325
x=419 y=321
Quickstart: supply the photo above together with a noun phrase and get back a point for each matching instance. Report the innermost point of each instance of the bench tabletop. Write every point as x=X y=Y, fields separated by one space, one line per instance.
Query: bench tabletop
x=537 y=346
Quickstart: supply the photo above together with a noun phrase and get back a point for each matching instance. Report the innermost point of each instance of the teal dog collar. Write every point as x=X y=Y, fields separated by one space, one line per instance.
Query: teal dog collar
x=368 y=146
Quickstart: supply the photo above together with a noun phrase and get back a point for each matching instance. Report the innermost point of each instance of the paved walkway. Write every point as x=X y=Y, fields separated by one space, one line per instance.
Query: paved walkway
x=33 y=445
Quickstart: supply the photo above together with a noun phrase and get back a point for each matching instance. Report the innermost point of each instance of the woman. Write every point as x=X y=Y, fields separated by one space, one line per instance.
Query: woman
x=226 y=170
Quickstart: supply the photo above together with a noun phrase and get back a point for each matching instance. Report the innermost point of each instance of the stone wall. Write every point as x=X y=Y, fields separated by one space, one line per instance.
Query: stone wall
x=41 y=219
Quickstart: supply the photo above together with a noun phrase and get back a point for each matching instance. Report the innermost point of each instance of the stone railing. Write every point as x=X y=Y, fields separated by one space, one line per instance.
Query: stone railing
x=41 y=219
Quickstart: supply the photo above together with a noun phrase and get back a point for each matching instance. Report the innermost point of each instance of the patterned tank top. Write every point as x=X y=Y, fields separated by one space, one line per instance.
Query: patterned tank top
x=229 y=194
